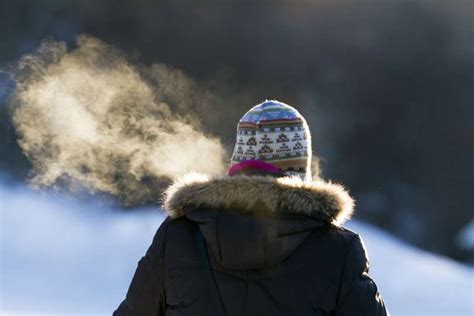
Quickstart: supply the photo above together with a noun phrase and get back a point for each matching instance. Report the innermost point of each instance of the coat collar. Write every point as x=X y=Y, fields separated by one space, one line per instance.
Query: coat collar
x=320 y=199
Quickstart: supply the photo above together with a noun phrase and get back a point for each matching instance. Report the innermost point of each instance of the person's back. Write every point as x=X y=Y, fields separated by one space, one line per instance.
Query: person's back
x=263 y=240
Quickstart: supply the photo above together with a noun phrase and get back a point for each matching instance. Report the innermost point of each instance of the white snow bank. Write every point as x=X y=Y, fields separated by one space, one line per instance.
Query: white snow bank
x=64 y=257
x=61 y=257
x=414 y=282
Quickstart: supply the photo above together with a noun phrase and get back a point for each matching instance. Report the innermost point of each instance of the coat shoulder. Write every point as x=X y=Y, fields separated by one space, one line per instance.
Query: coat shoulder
x=334 y=241
x=179 y=231
x=341 y=237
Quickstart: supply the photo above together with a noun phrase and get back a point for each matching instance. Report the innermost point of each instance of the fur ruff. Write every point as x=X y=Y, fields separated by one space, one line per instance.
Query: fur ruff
x=248 y=193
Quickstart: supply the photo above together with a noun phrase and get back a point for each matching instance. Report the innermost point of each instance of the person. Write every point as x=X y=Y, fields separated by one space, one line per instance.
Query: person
x=265 y=239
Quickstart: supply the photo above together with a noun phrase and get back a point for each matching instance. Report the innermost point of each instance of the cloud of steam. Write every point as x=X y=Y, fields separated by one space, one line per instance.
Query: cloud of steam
x=88 y=118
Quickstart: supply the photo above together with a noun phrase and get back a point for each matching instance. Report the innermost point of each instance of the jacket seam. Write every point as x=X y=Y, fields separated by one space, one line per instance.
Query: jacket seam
x=246 y=292
x=343 y=273
x=163 y=292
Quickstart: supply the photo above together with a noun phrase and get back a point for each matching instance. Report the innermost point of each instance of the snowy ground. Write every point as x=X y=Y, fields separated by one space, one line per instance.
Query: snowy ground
x=59 y=256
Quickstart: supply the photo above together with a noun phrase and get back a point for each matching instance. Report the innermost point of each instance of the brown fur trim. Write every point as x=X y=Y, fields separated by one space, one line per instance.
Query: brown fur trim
x=268 y=193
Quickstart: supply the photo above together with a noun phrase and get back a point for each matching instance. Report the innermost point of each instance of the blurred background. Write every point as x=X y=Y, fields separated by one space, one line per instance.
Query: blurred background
x=94 y=95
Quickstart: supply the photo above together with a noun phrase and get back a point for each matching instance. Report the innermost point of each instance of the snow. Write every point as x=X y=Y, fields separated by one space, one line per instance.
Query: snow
x=63 y=256
x=414 y=282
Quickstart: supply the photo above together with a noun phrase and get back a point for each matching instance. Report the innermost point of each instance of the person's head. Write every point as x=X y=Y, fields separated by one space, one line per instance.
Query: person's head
x=272 y=137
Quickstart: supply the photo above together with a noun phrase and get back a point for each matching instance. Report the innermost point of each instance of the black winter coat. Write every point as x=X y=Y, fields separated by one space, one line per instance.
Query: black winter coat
x=254 y=246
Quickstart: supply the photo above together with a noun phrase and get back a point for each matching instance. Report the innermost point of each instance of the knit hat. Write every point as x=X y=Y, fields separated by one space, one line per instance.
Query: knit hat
x=272 y=137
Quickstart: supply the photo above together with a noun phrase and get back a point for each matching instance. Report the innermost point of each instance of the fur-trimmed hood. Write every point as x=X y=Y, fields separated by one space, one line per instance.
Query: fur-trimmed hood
x=319 y=199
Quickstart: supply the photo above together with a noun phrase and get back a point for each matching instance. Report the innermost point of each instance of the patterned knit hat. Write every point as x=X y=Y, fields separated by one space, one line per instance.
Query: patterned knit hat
x=273 y=136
